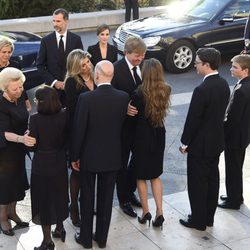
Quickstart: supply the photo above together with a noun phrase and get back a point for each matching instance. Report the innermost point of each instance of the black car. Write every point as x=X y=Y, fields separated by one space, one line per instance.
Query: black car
x=174 y=36
x=26 y=47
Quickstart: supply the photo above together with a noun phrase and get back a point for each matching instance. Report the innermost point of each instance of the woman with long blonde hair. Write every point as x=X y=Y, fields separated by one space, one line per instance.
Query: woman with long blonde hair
x=152 y=100
x=79 y=79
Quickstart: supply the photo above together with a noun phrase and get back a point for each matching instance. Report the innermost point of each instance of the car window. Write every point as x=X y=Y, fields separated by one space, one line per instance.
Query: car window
x=240 y=9
x=206 y=9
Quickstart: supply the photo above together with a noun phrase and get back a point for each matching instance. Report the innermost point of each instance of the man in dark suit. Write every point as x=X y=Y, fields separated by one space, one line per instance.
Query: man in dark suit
x=129 y=5
x=97 y=152
x=203 y=139
x=127 y=76
x=54 y=49
x=237 y=132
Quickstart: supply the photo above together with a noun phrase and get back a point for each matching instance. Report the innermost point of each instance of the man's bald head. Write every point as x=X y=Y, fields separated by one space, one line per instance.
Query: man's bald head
x=104 y=71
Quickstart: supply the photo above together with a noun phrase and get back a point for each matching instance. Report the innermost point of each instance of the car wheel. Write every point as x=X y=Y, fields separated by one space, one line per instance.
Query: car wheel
x=180 y=57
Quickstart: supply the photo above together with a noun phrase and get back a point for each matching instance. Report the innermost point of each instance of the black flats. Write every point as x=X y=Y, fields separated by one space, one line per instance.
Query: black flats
x=59 y=234
x=145 y=218
x=46 y=246
x=158 y=222
x=9 y=232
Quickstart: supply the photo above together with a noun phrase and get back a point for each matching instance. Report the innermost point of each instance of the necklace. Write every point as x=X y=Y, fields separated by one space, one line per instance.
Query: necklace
x=86 y=80
x=4 y=65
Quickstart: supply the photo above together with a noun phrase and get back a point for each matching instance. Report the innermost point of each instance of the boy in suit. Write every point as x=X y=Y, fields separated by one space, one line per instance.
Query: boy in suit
x=203 y=139
x=54 y=49
x=94 y=125
x=237 y=132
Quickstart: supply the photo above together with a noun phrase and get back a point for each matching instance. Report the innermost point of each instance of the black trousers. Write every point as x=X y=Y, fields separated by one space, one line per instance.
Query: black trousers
x=234 y=160
x=203 y=188
x=131 y=4
x=126 y=178
x=105 y=191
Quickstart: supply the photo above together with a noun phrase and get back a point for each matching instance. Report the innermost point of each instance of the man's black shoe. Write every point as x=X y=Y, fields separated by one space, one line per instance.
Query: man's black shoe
x=78 y=240
x=229 y=205
x=100 y=245
x=225 y=198
x=209 y=224
x=127 y=209
x=188 y=223
x=135 y=201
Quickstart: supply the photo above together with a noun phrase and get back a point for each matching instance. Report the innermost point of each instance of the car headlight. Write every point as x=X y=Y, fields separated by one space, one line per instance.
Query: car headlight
x=151 y=41
x=117 y=33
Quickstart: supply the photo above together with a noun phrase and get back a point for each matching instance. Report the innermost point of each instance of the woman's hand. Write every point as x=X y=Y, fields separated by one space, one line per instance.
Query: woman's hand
x=132 y=110
x=27 y=140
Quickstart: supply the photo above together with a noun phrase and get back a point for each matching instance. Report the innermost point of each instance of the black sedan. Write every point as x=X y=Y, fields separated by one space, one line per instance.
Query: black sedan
x=26 y=47
x=174 y=36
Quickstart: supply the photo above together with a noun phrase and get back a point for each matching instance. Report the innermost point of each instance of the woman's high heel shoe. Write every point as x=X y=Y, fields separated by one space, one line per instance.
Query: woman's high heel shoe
x=158 y=222
x=46 y=246
x=9 y=232
x=20 y=223
x=145 y=218
x=59 y=234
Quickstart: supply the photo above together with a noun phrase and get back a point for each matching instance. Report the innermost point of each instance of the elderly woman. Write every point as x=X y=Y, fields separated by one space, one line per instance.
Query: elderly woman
x=79 y=79
x=13 y=124
x=103 y=50
x=6 y=50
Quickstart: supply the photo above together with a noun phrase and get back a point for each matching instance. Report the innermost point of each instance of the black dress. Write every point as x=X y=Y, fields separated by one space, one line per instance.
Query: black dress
x=13 y=177
x=49 y=177
x=72 y=93
x=148 y=144
x=96 y=56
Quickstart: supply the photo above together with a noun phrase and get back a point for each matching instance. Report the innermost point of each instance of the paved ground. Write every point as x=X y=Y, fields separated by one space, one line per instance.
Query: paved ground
x=231 y=229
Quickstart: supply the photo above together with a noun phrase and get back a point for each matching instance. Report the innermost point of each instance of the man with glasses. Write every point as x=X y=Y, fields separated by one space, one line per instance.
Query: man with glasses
x=203 y=139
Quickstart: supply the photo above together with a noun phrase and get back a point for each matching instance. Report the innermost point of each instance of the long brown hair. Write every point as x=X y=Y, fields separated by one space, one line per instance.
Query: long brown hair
x=156 y=92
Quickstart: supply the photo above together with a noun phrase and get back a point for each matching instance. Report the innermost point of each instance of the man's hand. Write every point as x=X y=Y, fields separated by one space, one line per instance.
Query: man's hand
x=76 y=165
x=132 y=111
x=59 y=85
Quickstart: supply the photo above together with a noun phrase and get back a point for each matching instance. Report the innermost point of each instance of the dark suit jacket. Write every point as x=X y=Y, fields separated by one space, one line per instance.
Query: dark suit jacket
x=95 y=52
x=237 y=126
x=48 y=63
x=97 y=129
x=203 y=131
x=123 y=78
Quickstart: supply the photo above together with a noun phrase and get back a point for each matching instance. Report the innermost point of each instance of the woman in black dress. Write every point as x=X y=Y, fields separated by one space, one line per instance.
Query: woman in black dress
x=79 y=79
x=103 y=50
x=13 y=124
x=6 y=51
x=152 y=101
x=49 y=188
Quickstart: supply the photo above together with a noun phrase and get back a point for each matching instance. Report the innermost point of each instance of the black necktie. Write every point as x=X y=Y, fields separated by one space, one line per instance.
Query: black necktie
x=136 y=77
x=61 y=49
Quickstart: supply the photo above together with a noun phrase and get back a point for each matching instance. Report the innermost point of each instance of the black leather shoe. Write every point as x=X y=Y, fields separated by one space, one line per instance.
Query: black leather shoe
x=135 y=201
x=78 y=240
x=229 y=205
x=127 y=209
x=9 y=232
x=225 y=198
x=59 y=234
x=209 y=224
x=188 y=223
x=100 y=245
x=46 y=246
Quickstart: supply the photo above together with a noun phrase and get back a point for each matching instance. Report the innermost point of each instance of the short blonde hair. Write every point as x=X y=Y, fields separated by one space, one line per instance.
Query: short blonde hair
x=135 y=44
x=9 y=75
x=6 y=43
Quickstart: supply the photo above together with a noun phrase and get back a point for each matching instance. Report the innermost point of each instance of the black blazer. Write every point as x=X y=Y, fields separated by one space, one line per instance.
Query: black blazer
x=48 y=63
x=237 y=126
x=123 y=78
x=203 y=131
x=95 y=52
x=97 y=129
